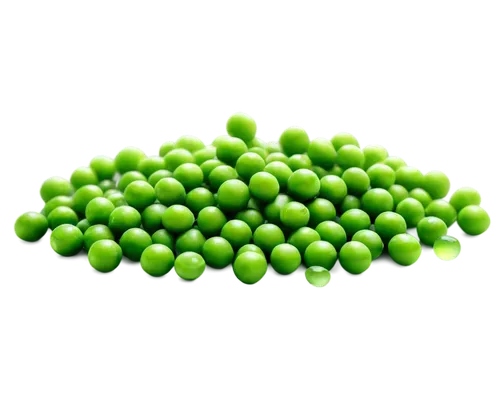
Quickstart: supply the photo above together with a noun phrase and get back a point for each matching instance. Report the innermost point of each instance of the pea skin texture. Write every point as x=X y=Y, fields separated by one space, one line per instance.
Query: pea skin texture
x=98 y=210
x=356 y=180
x=124 y=218
x=294 y=140
x=83 y=225
x=322 y=153
x=133 y=242
x=177 y=157
x=381 y=176
x=272 y=211
x=177 y=219
x=155 y=177
x=129 y=177
x=437 y=184
x=149 y=165
x=350 y=156
x=253 y=218
x=140 y=195
x=84 y=195
x=371 y=240
x=398 y=193
x=264 y=186
x=464 y=197
x=376 y=201
x=249 y=164
x=55 y=186
x=95 y=233
x=350 y=202
x=189 y=266
x=236 y=232
x=233 y=196
x=157 y=260
x=66 y=240
x=83 y=176
x=221 y=174
x=230 y=149
x=354 y=220
x=343 y=138
x=105 y=255
x=294 y=215
x=280 y=171
x=198 y=199
x=320 y=210
x=250 y=247
x=205 y=154
x=409 y=177
x=442 y=210
x=62 y=215
x=447 y=248
x=191 y=240
x=250 y=267
x=333 y=233
x=374 y=154
x=320 y=254
x=152 y=217
x=31 y=226
x=162 y=236
x=210 y=221
x=242 y=126
x=355 y=257
x=431 y=228
x=421 y=195
x=267 y=237
x=169 y=191
x=56 y=202
x=218 y=252
x=302 y=238
x=128 y=159
x=318 y=276
x=473 y=220
x=404 y=249
x=303 y=185
x=333 y=189
x=285 y=259
x=189 y=175
x=412 y=211
x=104 y=167
x=388 y=225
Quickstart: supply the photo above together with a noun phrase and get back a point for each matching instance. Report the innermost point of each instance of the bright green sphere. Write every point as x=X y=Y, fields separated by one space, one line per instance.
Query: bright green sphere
x=128 y=159
x=377 y=201
x=233 y=196
x=104 y=167
x=319 y=171
x=83 y=176
x=464 y=197
x=166 y=148
x=267 y=237
x=83 y=225
x=253 y=218
x=280 y=171
x=152 y=217
x=98 y=211
x=107 y=185
x=350 y=203
x=118 y=199
x=236 y=232
x=442 y=210
x=177 y=218
x=221 y=174
x=333 y=188
x=320 y=210
x=208 y=166
x=250 y=247
x=277 y=157
x=381 y=176
x=140 y=195
x=294 y=140
x=249 y=164
x=95 y=233
x=55 y=186
x=66 y=240
x=322 y=153
x=105 y=255
x=332 y=233
x=164 y=237
x=191 y=240
x=189 y=175
x=210 y=221
x=354 y=220
x=272 y=211
x=124 y=218
x=398 y=193
x=241 y=126
x=350 y=156
x=157 y=176
x=157 y=260
x=343 y=138
x=218 y=252
x=84 y=195
x=264 y=186
x=412 y=211
x=60 y=216
x=447 y=248
x=177 y=157
x=128 y=177
x=250 y=267
x=320 y=254
x=303 y=185
x=189 y=265
x=31 y=226
x=229 y=149
x=389 y=224
x=57 y=202
x=190 y=143
x=299 y=161
x=285 y=259
x=394 y=162
x=205 y=154
x=409 y=177
x=294 y=215
x=356 y=180
x=355 y=257
x=421 y=195
x=437 y=184
x=149 y=165
x=431 y=228
x=371 y=240
x=404 y=249
x=374 y=154
x=169 y=191
x=198 y=199
x=318 y=276
x=133 y=242
x=473 y=220
x=302 y=238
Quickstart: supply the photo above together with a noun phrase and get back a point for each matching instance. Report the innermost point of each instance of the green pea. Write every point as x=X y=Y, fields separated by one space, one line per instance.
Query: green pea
x=250 y=267
x=95 y=233
x=412 y=211
x=149 y=165
x=221 y=174
x=332 y=233
x=473 y=220
x=177 y=157
x=229 y=149
x=303 y=185
x=299 y=161
x=107 y=185
x=447 y=248
x=128 y=159
x=241 y=126
x=264 y=186
x=394 y=162
x=62 y=215
x=389 y=224
x=272 y=210
x=58 y=201
x=253 y=218
x=350 y=156
x=31 y=226
x=320 y=210
x=374 y=154
x=354 y=220
x=189 y=266
x=280 y=171
x=218 y=252
x=318 y=276
x=294 y=215
x=84 y=195
x=83 y=225
x=321 y=254
x=404 y=249
x=343 y=138
x=152 y=217
x=337 y=170
x=157 y=260
x=267 y=237
x=104 y=167
x=169 y=191
x=258 y=150
x=191 y=240
x=409 y=177
x=55 y=186
x=166 y=148
x=442 y=210
x=319 y=171
x=190 y=143
x=208 y=166
x=189 y=175
x=198 y=199
x=356 y=180
x=257 y=142
x=157 y=176
x=210 y=221
x=371 y=240
x=118 y=199
x=355 y=257
x=431 y=228
x=66 y=240
x=398 y=193
x=129 y=177
x=205 y=154
x=294 y=140
x=83 y=176
x=277 y=157
x=124 y=218
x=333 y=188
x=421 y=195
x=133 y=242
x=233 y=196
x=322 y=153
x=377 y=201
x=437 y=184
x=464 y=197
x=177 y=218
x=105 y=255
x=381 y=176
x=236 y=232
x=302 y=238
x=164 y=237
x=285 y=259
x=140 y=195
x=350 y=202
x=98 y=211
x=249 y=164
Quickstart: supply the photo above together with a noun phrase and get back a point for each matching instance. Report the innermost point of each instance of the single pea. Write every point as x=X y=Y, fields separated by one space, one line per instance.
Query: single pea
x=104 y=167
x=299 y=161
x=236 y=232
x=189 y=265
x=60 y=216
x=431 y=228
x=257 y=142
x=166 y=148
x=302 y=238
x=95 y=233
x=57 y=201
x=322 y=153
x=233 y=196
x=473 y=220
x=409 y=177
x=205 y=154
x=442 y=210
x=285 y=259
x=412 y=211
x=177 y=218
x=128 y=159
x=464 y=197
x=66 y=240
x=55 y=186
x=263 y=186
x=389 y=224
x=98 y=211
x=395 y=162
x=280 y=171
x=198 y=199
x=152 y=217
x=377 y=201
x=105 y=255
x=83 y=176
x=355 y=257
x=350 y=156
x=294 y=215
x=447 y=248
x=404 y=249
x=229 y=149
x=332 y=233
x=210 y=221
x=272 y=210
x=259 y=151
x=250 y=247
x=133 y=242
x=250 y=267
x=107 y=185
x=157 y=176
x=354 y=220
x=241 y=126
x=398 y=193
x=83 y=225
x=268 y=236
x=218 y=252
x=221 y=174
x=31 y=226
x=189 y=175
x=277 y=157
x=337 y=170
x=170 y=191
x=124 y=218
x=371 y=240
x=273 y=147
x=349 y=203
x=343 y=138
x=381 y=176
x=149 y=165
x=356 y=180
x=421 y=195
x=319 y=171
x=374 y=154
x=249 y=164
x=303 y=185
x=253 y=218
x=317 y=276
x=164 y=237
x=437 y=184
x=177 y=157
x=294 y=140
x=333 y=188
x=208 y=166
x=255 y=204
x=190 y=143
x=129 y=177
x=118 y=199
x=320 y=210
x=321 y=254
x=191 y=240
x=157 y=260
x=140 y=195
x=84 y=195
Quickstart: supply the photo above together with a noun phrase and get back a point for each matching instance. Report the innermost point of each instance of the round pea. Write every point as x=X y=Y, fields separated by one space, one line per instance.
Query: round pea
x=198 y=199
x=431 y=228
x=156 y=176
x=62 y=215
x=83 y=225
x=210 y=221
x=177 y=218
x=264 y=186
x=149 y=165
x=398 y=193
x=280 y=171
x=267 y=237
x=98 y=211
x=302 y=238
x=409 y=177
x=381 y=176
x=229 y=149
x=177 y=157
x=107 y=185
x=83 y=176
x=285 y=259
x=303 y=185
x=272 y=210
x=350 y=203
x=447 y=248
x=437 y=184
x=389 y=224
x=66 y=240
x=118 y=199
x=170 y=191
x=421 y=195
x=253 y=218
x=374 y=154
x=258 y=150
x=31 y=226
x=249 y=164
x=190 y=143
x=442 y=210
x=152 y=217
x=371 y=240
x=57 y=202
x=319 y=171
x=55 y=186
x=205 y=154
x=95 y=233
x=337 y=170
x=343 y=138
x=465 y=196
x=165 y=148
x=250 y=247
x=332 y=233
x=394 y=162
x=189 y=175
x=404 y=249
x=133 y=242
x=233 y=196
x=294 y=215
x=356 y=180
x=354 y=220
x=128 y=159
x=140 y=195
x=157 y=260
x=208 y=166
x=241 y=126
x=320 y=210
x=322 y=153
x=164 y=237
x=321 y=254
x=299 y=161
x=377 y=201
x=218 y=252
x=105 y=255
x=294 y=140
x=124 y=218
x=221 y=174
x=333 y=188
x=277 y=157
x=191 y=240
x=355 y=257
x=128 y=177
x=250 y=267
x=84 y=195
x=473 y=220
x=257 y=142
x=189 y=265
x=104 y=167
x=350 y=156
x=412 y=211
x=236 y=232
x=317 y=276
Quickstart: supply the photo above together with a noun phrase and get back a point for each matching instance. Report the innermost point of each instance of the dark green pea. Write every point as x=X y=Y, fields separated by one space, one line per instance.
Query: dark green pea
x=218 y=252
x=198 y=199
x=389 y=224
x=320 y=254
x=152 y=218
x=124 y=218
x=62 y=215
x=253 y=218
x=442 y=210
x=98 y=211
x=267 y=237
x=128 y=178
x=133 y=242
x=105 y=255
x=285 y=259
x=377 y=201
x=431 y=228
x=189 y=265
x=233 y=195
x=118 y=199
x=322 y=153
x=356 y=180
x=104 y=167
x=250 y=247
x=191 y=240
x=333 y=188
x=57 y=201
x=250 y=267
x=303 y=185
x=157 y=260
x=320 y=210
x=84 y=195
x=107 y=185
x=164 y=237
x=31 y=226
x=83 y=225
x=302 y=238
x=177 y=219
x=149 y=165
x=350 y=203
x=210 y=221
x=333 y=233
x=66 y=240
x=354 y=220
x=371 y=240
x=169 y=191
x=236 y=232
x=412 y=211
x=95 y=233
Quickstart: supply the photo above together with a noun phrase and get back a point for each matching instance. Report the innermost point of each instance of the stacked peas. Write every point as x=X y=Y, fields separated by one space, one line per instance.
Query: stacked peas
x=245 y=202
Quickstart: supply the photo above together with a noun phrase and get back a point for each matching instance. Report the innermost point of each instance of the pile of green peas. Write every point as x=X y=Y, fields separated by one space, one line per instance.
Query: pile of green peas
x=243 y=202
